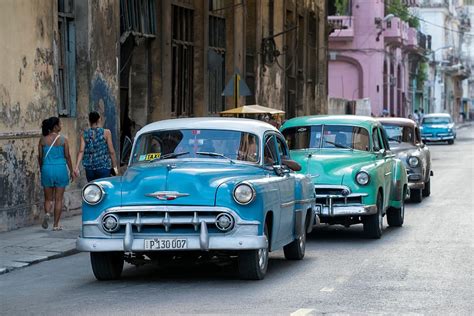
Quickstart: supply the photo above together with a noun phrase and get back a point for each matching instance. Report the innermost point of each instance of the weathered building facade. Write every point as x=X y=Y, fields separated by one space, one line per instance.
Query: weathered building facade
x=138 y=61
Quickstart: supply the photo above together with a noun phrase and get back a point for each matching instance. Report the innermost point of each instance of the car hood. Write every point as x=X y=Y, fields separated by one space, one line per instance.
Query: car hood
x=427 y=127
x=402 y=149
x=330 y=166
x=195 y=181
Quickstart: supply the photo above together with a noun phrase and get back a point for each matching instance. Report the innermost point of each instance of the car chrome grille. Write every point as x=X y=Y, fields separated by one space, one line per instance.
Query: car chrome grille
x=337 y=195
x=166 y=221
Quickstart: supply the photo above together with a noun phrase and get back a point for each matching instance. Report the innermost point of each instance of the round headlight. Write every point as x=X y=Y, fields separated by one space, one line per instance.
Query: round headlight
x=244 y=194
x=362 y=178
x=413 y=161
x=92 y=194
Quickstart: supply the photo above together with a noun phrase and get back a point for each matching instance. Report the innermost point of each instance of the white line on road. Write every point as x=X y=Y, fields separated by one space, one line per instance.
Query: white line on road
x=326 y=289
x=302 y=312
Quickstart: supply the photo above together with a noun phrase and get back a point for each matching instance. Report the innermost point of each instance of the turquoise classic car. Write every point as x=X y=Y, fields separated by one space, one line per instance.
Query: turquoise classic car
x=202 y=187
x=357 y=178
x=438 y=127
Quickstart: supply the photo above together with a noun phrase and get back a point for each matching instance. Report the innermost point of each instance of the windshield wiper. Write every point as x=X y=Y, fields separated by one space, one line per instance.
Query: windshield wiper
x=338 y=145
x=170 y=155
x=212 y=154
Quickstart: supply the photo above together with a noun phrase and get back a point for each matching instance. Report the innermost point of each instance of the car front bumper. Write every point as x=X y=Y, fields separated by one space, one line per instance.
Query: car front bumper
x=345 y=210
x=437 y=138
x=243 y=235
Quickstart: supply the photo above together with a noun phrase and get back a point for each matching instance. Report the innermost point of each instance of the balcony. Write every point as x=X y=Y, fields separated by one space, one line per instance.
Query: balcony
x=412 y=38
x=434 y=4
x=395 y=31
x=342 y=26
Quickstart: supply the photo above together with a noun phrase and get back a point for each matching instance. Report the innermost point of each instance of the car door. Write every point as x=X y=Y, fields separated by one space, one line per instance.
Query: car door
x=287 y=191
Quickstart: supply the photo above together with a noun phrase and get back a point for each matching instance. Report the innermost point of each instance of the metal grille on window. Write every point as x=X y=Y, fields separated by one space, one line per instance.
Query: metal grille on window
x=66 y=67
x=138 y=16
x=216 y=63
x=182 y=61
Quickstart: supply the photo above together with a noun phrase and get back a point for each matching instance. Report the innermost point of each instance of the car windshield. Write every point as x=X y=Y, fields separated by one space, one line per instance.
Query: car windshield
x=436 y=120
x=193 y=143
x=327 y=136
x=399 y=134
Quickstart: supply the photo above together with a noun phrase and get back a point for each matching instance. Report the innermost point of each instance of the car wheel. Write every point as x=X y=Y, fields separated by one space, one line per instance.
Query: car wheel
x=451 y=141
x=253 y=264
x=396 y=216
x=427 y=189
x=296 y=249
x=107 y=265
x=373 y=224
x=416 y=195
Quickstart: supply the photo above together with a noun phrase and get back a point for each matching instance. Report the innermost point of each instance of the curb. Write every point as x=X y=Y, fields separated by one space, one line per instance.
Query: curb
x=66 y=253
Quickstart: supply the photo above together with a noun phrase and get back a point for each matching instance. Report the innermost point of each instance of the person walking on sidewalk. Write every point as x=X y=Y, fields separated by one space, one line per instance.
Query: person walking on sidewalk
x=53 y=156
x=96 y=151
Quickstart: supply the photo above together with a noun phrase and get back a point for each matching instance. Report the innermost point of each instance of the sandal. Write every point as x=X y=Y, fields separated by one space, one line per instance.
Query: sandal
x=57 y=228
x=46 y=217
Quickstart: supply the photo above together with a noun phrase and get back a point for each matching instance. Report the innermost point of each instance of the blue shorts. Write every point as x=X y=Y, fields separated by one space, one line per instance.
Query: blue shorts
x=54 y=176
x=92 y=175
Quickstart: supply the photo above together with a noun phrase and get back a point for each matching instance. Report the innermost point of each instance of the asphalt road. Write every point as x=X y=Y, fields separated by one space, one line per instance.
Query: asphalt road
x=425 y=267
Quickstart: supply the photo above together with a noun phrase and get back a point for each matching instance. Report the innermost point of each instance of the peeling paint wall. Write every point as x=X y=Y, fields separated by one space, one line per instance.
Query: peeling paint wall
x=28 y=94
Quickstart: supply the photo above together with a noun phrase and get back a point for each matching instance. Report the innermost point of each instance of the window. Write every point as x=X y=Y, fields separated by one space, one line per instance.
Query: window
x=282 y=149
x=270 y=156
x=216 y=64
x=138 y=16
x=66 y=90
x=182 y=61
x=375 y=140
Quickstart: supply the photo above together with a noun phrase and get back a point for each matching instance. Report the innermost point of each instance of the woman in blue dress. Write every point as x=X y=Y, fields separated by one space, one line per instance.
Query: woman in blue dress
x=97 y=151
x=54 y=160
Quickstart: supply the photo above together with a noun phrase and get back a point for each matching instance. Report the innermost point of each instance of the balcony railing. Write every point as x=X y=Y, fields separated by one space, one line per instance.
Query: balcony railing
x=396 y=31
x=434 y=4
x=342 y=27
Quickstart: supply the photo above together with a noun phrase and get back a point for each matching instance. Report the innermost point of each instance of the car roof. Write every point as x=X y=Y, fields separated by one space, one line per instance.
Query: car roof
x=437 y=115
x=221 y=123
x=364 y=121
x=397 y=121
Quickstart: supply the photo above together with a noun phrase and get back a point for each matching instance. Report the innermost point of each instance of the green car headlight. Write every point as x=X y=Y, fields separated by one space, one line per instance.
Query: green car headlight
x=362 y=178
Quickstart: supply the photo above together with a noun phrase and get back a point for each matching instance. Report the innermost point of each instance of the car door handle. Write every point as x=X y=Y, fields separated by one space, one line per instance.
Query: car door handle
x=388 y=173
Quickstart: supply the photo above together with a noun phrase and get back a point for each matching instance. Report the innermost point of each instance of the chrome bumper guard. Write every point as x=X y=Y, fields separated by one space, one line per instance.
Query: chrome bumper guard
x=244 y=234
x=331 y=209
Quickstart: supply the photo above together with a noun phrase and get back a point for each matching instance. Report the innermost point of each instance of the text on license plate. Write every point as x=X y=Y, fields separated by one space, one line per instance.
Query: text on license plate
x=166 y=243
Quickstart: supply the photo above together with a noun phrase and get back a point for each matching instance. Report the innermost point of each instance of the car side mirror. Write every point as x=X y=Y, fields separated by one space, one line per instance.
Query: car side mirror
x=382 y=152
x=293 y=165
x=126 y=150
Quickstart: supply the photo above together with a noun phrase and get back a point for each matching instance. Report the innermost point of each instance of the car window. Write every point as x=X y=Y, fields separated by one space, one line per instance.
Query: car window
x=302 y=137
x=188 y=143
x=384 y=139
x=270 y=156
x=376 y=140
x=398 y=133
x=282 y=150
x=436 y=120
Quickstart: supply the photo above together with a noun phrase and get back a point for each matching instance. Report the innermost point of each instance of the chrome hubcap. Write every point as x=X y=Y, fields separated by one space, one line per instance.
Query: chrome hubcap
x=301 y=241
x=262 y=258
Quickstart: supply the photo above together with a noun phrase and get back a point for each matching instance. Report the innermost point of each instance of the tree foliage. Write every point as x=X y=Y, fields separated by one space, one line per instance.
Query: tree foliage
x=342 y=7
x=397 y=8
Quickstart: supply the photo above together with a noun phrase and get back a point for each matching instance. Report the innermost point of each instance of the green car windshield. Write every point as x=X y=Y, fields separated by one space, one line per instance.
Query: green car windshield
x=327 y=136
x=192 y=143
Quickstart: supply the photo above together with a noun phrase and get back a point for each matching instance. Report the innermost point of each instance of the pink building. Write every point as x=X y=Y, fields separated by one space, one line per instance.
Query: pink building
x=370 y=56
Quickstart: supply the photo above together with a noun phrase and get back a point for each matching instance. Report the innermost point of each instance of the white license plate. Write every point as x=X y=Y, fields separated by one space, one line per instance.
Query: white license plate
x=166 y=243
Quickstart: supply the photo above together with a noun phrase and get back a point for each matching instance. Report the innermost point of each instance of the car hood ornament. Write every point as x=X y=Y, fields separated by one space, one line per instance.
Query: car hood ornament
x=166 y=195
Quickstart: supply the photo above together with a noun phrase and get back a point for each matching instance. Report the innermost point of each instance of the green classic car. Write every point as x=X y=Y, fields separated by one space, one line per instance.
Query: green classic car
x=357 y=178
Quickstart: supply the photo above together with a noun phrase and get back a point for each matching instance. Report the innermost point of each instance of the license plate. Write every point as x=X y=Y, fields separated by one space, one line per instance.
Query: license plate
x=166 y=243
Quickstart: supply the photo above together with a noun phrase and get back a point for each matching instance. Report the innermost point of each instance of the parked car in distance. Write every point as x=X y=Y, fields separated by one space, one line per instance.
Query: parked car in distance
x=405 y=141
x=438 y=127
x=357 y=177
x=200 y=187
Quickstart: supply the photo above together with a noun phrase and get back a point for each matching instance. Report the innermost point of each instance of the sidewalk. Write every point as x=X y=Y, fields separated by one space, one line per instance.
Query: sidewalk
x=26 y=246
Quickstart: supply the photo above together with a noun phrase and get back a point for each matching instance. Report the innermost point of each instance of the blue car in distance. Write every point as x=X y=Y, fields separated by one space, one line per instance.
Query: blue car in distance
x=438 y=127
x=199 y=188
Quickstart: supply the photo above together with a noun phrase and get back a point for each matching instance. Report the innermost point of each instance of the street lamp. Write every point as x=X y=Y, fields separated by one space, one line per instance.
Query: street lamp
x=449 y=47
